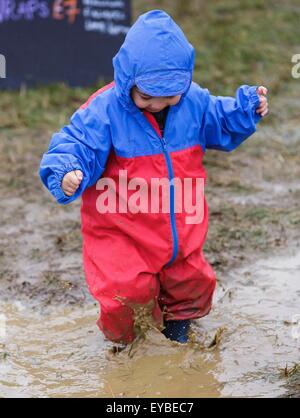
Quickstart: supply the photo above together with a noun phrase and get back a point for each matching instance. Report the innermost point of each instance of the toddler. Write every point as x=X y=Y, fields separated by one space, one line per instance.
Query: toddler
x=151 y=126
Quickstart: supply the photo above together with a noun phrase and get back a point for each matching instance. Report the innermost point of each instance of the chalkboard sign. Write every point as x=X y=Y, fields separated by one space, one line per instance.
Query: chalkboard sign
x=60 y=40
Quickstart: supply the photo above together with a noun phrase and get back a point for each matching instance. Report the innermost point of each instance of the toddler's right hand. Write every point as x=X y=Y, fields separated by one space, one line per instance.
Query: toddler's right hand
x=71 y=182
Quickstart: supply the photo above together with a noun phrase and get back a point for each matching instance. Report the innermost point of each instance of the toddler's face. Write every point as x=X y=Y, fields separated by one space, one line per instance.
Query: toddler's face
x=150 y=103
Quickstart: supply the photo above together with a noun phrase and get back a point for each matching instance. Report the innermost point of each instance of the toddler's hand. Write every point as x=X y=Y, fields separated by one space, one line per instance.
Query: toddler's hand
x=263 y=108
x=71 y=182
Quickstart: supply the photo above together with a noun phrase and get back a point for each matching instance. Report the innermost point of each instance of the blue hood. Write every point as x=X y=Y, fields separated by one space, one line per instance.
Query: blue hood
x=155 y=56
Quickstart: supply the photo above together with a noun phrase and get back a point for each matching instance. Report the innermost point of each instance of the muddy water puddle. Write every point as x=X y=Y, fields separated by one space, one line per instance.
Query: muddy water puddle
x=60 y=353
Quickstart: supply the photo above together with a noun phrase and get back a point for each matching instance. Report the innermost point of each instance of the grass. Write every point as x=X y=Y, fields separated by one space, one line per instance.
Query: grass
x=239 y=232
x=44 y=107
x=236 y=42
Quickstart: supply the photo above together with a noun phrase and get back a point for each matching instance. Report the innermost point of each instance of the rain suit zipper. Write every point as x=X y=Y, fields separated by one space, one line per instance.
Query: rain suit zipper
x=172 y=201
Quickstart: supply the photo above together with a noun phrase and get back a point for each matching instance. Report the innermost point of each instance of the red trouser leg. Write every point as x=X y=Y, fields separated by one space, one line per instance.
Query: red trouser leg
x=118 y=313
x=123 y=288
x=187 y=287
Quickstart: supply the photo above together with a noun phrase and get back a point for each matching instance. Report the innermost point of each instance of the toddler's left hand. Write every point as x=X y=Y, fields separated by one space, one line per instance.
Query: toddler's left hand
x=263 y=108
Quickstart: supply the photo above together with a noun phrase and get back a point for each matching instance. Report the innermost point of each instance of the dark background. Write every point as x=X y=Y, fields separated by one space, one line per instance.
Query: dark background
x=44 y=50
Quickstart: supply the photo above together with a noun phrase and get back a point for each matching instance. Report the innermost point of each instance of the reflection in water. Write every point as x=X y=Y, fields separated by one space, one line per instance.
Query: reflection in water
x=62 y=353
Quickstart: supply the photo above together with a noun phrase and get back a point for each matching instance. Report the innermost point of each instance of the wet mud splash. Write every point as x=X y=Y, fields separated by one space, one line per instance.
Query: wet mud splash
x=241 y=349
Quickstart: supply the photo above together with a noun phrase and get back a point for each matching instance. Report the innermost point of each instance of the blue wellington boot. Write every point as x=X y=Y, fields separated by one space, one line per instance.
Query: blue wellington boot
x=177 y=330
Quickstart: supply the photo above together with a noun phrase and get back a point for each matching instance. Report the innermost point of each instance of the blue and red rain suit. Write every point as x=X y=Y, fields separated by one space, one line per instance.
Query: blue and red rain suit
x=133 y=259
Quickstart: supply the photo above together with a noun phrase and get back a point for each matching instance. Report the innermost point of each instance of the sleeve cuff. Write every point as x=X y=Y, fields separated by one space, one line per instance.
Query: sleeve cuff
x=254 y=97
x=56 y=188
x=254 y=100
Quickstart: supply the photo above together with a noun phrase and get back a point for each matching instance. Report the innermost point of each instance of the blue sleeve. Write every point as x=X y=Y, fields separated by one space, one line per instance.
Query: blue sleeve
x=228 y=121
x=83 y=145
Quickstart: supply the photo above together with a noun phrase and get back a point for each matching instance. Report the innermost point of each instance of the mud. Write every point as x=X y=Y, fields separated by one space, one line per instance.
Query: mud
x=50 y=345
x=60 y=353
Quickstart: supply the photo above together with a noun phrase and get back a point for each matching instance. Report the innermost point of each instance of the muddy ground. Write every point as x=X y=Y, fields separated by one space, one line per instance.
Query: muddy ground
x=253 y=196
